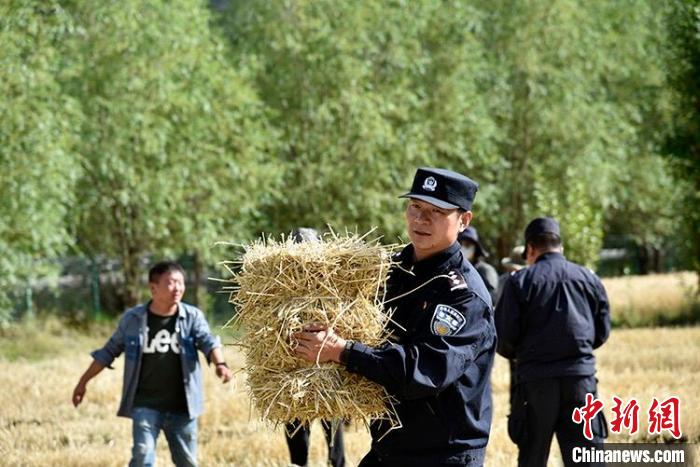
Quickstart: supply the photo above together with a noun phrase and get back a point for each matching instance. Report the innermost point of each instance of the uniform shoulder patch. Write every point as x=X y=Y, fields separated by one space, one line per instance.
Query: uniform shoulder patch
x=457 y=280
x=446 y=321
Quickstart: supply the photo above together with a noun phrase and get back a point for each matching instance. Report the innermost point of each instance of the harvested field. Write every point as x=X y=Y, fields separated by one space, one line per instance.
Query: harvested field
x=40 y=427
x=654 y=300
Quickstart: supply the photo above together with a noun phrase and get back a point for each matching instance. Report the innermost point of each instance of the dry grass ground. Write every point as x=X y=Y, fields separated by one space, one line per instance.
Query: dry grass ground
x=655 y=299
x=40 y=427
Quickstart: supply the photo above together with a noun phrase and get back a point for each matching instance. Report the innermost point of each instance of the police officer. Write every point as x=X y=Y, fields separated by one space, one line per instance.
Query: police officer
x=510 y=264
x=439 y=363
x=550 y=317
x=475 y=253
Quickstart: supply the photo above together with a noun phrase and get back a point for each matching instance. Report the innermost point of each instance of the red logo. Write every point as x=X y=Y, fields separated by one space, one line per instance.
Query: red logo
x=665 y=415
x=586 y=413
x=628 y=417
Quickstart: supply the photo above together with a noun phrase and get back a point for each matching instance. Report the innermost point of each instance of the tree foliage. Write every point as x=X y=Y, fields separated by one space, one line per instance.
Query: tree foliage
x=542 y=104
x=574 y=90
x=138 y=129
x=361 y=95
x=173 y=140
x=683 y=144
x=37 y=136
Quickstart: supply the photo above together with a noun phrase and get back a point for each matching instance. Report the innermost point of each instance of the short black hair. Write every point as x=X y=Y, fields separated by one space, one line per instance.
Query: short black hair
x=544 y=241
x=163 y=267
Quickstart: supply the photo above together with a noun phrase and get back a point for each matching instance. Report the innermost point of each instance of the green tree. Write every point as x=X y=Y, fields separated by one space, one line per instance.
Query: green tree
x=576 y=90
x=362 y=94
x=648 y=208
x=683 y=145
x=37 y=138
x=546 y=104
x=644 y=201
x=173 y=145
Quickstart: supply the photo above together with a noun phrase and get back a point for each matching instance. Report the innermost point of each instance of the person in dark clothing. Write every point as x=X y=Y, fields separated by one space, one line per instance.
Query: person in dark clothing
x=514 y=262
x=298 y=435
x=443 y=337
x=298 y=442
x=475 y=253
x=510 y=264
x=550 y=317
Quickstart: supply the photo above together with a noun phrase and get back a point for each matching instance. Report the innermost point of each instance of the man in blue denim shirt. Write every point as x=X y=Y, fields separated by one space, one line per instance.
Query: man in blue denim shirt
x=162 y=387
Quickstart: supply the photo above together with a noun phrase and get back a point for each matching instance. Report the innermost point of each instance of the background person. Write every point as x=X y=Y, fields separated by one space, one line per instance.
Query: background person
x=514 y=262
x=475 y=252
x=510 y=264
x=162 y=385
x=551 y=316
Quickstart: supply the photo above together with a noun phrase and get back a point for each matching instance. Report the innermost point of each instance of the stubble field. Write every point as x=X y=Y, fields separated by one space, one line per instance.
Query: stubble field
x=40 y=427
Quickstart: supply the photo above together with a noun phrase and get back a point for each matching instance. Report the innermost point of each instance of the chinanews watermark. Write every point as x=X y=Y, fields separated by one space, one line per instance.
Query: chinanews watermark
x=663 y=416
x=639 y=454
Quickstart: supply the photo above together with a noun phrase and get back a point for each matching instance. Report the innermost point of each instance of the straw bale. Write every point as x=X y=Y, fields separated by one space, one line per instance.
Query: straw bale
x=279 y=287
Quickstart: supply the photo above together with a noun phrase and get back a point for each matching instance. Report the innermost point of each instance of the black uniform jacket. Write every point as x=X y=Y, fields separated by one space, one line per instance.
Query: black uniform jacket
x=439 y=364
x=550 y=317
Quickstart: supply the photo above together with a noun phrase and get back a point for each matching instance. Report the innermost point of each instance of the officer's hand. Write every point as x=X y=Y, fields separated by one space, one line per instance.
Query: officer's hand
x=78 y=394
x=318 y=343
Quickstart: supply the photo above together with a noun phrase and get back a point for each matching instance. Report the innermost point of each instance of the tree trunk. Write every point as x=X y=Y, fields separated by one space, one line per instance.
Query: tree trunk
x=132 y=277
x=656 y=259
x=644 y=259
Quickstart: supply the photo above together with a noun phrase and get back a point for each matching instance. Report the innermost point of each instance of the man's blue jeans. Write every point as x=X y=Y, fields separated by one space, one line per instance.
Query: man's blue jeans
x=179 y=429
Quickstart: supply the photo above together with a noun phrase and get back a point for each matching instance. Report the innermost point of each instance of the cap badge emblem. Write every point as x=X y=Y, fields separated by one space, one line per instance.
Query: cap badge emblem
x=430 y=184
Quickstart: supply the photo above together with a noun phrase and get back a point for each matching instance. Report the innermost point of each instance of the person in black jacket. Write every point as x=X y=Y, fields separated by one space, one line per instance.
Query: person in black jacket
x=444 y=339
x=475 y=253
x=550 y=317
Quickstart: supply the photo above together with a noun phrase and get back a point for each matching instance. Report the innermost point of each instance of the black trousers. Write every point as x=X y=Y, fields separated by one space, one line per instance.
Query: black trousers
x=298 y=443
x=543 y=408
x=469 y=458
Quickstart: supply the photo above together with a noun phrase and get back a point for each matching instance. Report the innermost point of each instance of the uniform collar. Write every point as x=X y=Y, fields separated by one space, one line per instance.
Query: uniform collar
x=550 y=255
x=431 y=264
